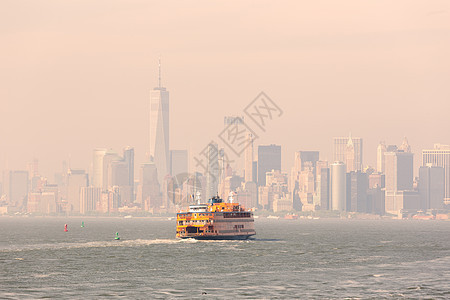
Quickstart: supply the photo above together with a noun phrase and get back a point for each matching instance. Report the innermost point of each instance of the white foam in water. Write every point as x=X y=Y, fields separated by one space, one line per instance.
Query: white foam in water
x=95 y=244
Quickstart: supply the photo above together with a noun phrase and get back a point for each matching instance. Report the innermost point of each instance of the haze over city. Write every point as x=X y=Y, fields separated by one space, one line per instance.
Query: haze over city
x=74 y=79
x=224 y=149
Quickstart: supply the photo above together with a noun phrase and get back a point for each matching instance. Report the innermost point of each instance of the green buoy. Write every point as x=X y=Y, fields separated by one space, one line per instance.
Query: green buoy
x=117 y=236
x=82 y=224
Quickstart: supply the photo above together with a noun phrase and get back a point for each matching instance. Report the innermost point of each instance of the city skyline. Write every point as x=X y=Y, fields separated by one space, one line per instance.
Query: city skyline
x=341 y=184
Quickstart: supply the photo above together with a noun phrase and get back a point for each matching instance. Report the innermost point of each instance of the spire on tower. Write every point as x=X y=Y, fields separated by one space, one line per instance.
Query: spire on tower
x=159 y=78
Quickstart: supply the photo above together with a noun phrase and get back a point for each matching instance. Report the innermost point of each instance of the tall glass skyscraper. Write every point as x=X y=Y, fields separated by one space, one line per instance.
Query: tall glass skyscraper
x=159 y=129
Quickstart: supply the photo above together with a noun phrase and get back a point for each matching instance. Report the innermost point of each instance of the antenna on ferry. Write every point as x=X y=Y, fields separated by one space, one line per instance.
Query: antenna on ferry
x=230 y=197
x=198 y=197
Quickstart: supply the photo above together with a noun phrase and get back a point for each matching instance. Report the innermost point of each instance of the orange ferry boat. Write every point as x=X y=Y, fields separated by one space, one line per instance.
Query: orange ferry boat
x=215 y=220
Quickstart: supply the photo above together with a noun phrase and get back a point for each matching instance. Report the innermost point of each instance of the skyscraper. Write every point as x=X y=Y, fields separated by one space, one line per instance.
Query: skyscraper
x=109 y=157
x=431 y=187
x=269 y=158
x=18 y=189
x=349 y=151
x=159 y=129
x=128 y=157
x=399 y=192
x=178 y=162
x=75 y=180
x=212 y=175
x=338 y=186
x=89 y=197
x=148 y=194
x=357 y=186
x=399 y=171
x=303 y=158
x=405 y=147
x=97 y=178
x=381 y=149
x=440 y=157
x=118 y=174
x=249 y=159
x=323 y=185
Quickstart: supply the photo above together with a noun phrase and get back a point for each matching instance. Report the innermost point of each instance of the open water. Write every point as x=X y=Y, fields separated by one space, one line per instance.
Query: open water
x=307 y=259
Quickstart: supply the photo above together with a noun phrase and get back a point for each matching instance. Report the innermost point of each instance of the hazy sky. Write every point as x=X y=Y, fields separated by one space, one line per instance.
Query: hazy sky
x=76 y=75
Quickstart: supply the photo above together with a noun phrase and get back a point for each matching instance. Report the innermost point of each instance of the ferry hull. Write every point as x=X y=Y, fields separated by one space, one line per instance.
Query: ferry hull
x=220 y=237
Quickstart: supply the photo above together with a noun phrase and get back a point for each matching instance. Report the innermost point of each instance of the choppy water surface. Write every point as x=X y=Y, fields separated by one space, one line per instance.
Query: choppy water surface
x=287 y=259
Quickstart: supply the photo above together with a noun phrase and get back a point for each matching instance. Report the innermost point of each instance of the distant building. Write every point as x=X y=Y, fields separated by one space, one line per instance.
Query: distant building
x=76 y=179
x=269 y=158
x=381 y=149
x=323 y=185
x=276 y=186
x=399 y=182
x=265 y=197
x=231 y=183
x=376 y=194
x=148 y=195
x=213 y=171
x=108 y=160
x=440 y=157
x=376 y=180
x=375 y=200
x=112 y=170
x=159 y=129
x=18 y=190
x=399 y=171
x=405 y=147
x=97 y=176
x=357 y=186
x=277 y=178
x=305 y=158
x=338 y=186
x=178 y=162
x=402 y=200
x=118 y=174
x=89 y=197
x=247 y=195
x=128 y=157
x=45 y=201
x=282 y=203
x=431 y=187
x=248 y=170
x=349 y=151
x=306 y=188
x=113 y=199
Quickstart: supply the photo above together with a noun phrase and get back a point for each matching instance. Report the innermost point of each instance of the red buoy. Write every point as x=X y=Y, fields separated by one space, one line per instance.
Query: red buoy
x=65 y=228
